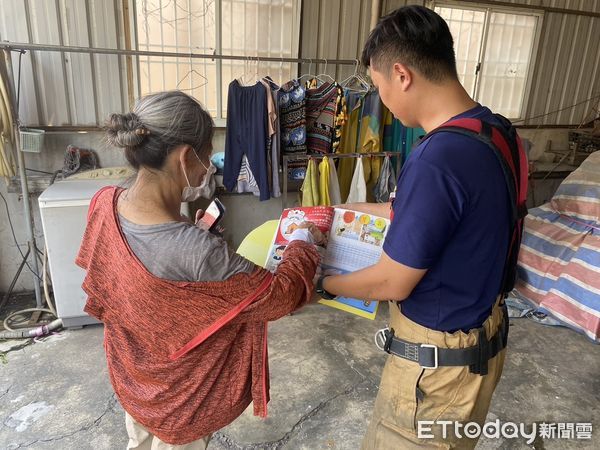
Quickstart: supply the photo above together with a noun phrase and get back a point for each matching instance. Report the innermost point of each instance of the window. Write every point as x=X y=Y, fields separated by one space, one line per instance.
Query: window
x=77 y=89
x=262 y=28
x=494 y=50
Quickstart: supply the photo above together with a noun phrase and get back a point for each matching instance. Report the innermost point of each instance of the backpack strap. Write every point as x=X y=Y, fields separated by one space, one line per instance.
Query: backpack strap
x=509 y=152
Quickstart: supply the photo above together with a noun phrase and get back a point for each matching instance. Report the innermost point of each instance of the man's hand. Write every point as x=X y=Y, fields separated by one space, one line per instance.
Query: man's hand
x=386 y=280
x=315 y=297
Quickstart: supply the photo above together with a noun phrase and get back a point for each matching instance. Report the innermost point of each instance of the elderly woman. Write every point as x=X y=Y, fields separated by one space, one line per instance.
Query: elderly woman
x=185 y=317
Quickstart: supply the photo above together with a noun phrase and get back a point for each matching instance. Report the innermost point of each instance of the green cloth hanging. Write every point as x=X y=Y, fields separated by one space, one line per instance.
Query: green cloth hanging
x=310 y=187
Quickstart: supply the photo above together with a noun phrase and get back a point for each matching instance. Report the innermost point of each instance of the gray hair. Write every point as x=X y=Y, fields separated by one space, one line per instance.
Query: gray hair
x=159 y=123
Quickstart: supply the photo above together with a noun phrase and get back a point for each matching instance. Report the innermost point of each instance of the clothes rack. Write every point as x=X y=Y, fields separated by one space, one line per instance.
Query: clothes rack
x=304 y=157
x=20 y=46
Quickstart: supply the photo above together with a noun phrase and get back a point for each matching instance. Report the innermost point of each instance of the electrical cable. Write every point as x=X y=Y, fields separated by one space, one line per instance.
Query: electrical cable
x=45 y=282
x=9 y=332
x=556 y=111
x=38 y=171
x=39 y=331
x=36 y=332
x=18 y=313
x=51 y=309
x=12 y=229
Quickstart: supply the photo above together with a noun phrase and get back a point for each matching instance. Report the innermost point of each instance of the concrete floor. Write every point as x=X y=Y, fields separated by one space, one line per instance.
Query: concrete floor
x=324 y=375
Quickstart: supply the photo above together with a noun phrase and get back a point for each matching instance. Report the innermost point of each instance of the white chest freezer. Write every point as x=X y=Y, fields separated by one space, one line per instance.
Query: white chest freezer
x=63 y=208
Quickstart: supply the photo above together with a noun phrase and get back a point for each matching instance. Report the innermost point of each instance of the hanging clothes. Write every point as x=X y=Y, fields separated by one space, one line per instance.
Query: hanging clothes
x=341 y=117
x=370 y=138
x=292 y=117
x=246 y=134
x=321 y=115
x=324 y=172
x=411 y=136
x=363 y=134
x=275 y=146
x=398 y=138
x=310 y=187
x=349 y=141
x=358 y=187
x=392 y=133
x=334 y=185
x=246 y=181
x=386 y=183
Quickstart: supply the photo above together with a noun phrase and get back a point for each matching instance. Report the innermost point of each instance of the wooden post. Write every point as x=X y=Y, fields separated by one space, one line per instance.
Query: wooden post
x=128 y=58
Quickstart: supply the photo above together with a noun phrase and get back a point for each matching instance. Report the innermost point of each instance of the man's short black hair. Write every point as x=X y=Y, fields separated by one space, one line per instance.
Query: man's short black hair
x=416 y=37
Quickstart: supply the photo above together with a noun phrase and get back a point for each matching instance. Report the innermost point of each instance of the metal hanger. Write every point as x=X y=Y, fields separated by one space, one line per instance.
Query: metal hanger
x=309 y=74
x=325 y=77
x=356 y=77
x=256 y=76
x=243 y=78
x=190 y=72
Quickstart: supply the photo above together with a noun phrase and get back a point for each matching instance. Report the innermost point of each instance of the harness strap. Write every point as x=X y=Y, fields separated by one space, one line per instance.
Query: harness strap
x=431 y=356
x=508 y=149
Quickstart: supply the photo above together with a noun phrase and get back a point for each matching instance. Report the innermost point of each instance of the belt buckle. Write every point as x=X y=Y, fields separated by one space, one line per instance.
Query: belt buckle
x=435 y=356
x=381 y=338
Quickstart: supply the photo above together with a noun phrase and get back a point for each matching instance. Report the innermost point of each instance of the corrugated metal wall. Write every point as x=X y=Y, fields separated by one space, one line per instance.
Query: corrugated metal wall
x=337 y=29
x=566 y=71
x=47 y=77
x=567 y=68
x=576 y=5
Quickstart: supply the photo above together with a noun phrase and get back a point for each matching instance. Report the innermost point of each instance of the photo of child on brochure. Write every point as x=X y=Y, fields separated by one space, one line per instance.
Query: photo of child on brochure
x=290 y=220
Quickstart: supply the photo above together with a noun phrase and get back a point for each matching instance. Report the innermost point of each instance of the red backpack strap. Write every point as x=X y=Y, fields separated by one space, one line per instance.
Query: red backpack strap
x=508 y=148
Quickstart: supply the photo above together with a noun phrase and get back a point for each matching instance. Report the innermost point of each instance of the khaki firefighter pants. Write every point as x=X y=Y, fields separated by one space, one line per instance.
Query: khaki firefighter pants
x=141 y=439
x=409 y=394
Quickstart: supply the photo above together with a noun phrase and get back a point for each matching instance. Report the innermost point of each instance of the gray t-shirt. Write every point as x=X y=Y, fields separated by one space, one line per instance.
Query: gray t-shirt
x=181 y=251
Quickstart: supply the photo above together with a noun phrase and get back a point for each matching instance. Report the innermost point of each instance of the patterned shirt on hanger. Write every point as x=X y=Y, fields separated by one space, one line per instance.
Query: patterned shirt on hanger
x=325 y=115
x=292 y=117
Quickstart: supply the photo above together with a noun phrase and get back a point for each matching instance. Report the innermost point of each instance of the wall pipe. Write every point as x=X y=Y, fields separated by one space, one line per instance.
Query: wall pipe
x=24 y=189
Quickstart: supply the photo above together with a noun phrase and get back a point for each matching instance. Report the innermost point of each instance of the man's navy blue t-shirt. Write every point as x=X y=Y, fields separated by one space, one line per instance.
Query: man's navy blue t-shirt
x=452 y=217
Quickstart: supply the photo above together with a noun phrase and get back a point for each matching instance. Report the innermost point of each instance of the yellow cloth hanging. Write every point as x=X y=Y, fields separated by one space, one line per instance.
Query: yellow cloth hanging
x=7 y=159
x=310 y=187
x=324 y=182
x=348 y=145
x=370 y=140
x=362 y=133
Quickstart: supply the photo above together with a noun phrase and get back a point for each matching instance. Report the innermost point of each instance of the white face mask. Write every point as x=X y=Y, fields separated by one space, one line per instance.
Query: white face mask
x=206 y=188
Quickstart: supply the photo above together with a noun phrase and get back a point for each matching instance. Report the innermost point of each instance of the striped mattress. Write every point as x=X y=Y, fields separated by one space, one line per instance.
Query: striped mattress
x=559 y=260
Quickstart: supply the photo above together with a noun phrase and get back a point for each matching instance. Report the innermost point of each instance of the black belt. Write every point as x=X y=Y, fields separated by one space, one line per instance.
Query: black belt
x=431 y=356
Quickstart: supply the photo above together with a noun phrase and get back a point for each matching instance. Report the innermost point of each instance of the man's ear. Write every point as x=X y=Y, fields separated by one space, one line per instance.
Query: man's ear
x=402 y=75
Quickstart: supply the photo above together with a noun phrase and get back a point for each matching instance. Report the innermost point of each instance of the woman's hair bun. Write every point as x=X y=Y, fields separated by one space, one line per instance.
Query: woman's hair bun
x=125 y=130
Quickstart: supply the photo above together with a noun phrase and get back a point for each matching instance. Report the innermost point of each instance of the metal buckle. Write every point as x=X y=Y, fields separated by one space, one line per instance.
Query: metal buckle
x=435 y=356
x=381 y=338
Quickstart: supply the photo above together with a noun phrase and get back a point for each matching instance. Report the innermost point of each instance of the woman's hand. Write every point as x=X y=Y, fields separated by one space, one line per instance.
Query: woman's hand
x=199 y=215
x=318 y=236
x=218 y=230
